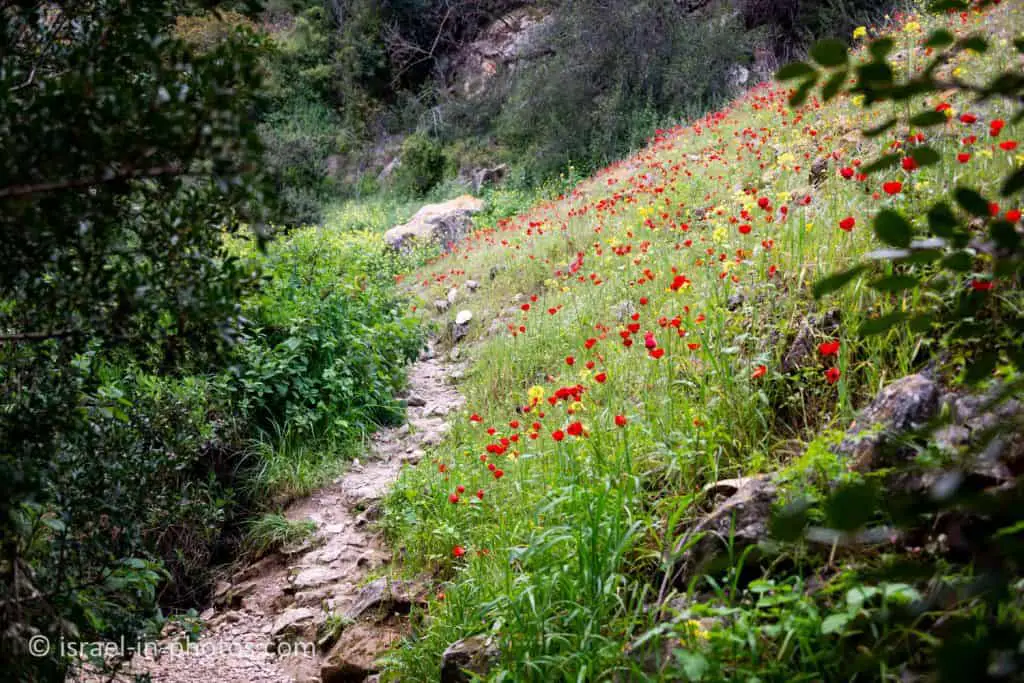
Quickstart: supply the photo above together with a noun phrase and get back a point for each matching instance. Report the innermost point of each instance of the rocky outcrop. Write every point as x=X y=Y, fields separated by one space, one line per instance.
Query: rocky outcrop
x=444 y=223
x=904 y=405
x=800 y=353
x=483 y=177
x=513 y=38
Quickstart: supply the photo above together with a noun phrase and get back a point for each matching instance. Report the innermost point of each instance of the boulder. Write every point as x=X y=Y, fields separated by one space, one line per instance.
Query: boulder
x=444 y=223
x=460 y=327
x=382 y=597
x=472 y=655
x=741 y=518
x=488 y=176
x=353 y=658
x=906 y=404
x=294 y=622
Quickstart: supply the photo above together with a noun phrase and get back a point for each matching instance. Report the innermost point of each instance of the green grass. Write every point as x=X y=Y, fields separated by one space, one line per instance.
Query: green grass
x=563 y=554
x=272 y=532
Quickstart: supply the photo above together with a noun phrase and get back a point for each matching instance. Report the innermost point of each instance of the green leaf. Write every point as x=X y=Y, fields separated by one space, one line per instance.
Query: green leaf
x=974 y=44
x=893 y=229
x=788 y=524
x=884 y=323
x=981 y=367
x=836 y=281
x=895 y=283
x=799 y=97
x=1004 y=234
x=834 y=84
x=835 y=623
x=1014 y=184
x=851 y=506
x=883 y=163
x=928 y=118
x=695 y=665
x=879 y=129
x=794 y=71
x=958 y=261
x=922 y=323
x=942 y=6
x=829 y=52
x=972 y=202
x=858 y=595
x=875 y=74
x=942 y=221
x=1005 y=84
x=925 y=156
x=881 y=48
x=940 y=38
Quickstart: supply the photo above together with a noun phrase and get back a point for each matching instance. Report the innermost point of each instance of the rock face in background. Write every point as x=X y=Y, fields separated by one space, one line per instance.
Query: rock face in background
x=444 y=223
x=517 y=36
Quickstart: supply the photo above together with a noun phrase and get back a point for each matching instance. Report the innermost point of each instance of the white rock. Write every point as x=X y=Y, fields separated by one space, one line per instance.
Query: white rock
x=463 y=317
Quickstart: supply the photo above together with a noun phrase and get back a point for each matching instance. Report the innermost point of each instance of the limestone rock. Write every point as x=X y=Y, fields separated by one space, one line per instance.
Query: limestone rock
x=903 y=405
x=743 y=517
x=488 y=176
x=293 y=621
x=444 y=223
x=353 y=657
x=383 y=597
x=512 y=38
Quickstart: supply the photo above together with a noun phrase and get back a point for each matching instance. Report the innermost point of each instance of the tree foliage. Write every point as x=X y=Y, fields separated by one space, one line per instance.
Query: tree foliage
x=959 y=259
x=126 y=154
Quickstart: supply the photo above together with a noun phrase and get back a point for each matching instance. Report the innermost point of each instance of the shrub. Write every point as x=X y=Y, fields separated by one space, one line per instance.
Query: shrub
x=421 y=167
x=299 y=138
x=329 y=339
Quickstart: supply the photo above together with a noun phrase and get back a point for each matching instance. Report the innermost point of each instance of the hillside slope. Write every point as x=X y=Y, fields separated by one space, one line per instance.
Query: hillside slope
x=652 y=333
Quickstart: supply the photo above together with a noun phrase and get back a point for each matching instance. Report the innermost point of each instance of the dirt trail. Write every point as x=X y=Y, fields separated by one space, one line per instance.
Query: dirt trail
x=264 y=619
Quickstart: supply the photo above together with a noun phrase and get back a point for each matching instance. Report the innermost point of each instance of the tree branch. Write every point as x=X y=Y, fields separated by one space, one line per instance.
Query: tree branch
x=75 y=183
x=36 y=336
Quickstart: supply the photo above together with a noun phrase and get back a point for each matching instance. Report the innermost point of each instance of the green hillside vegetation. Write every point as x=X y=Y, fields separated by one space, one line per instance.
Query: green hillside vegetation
x=642 y=350
x=200 y=322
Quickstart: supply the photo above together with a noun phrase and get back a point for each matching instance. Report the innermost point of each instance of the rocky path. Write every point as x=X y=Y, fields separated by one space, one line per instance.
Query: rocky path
x=316 y=612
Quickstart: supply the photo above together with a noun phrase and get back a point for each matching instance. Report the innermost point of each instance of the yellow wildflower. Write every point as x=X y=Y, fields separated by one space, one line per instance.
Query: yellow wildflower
x=912 y=27
x=695 y=629
x=536 y=393
x=860 y=32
